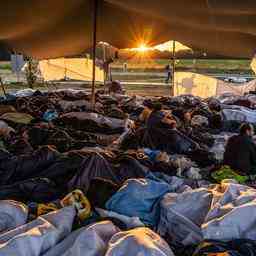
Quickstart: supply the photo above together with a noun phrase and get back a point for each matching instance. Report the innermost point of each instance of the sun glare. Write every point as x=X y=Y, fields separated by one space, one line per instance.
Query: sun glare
x=142 y=48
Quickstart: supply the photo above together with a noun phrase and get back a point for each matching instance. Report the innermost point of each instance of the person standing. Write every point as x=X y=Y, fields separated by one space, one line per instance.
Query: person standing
x=125 y=67
x=107 y=71
x=168 y=73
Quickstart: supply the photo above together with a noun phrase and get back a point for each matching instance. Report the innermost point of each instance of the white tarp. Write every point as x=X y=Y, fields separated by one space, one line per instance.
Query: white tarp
x=205 y=86
x=12 y=214
x=71 y=68
x=139 y=241
x=195 y=84
x=238 y=113
x=38 y=236
x=91 y=240
x=216 y=213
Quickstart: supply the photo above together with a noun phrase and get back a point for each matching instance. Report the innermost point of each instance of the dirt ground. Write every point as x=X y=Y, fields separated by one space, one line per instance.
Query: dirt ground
x=149 y=91
x=142 y=89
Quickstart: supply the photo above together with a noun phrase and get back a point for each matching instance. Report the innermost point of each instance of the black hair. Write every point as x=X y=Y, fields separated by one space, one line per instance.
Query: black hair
x=179 y=112
x=148 y=104
x=214 y=105
x=244 y=128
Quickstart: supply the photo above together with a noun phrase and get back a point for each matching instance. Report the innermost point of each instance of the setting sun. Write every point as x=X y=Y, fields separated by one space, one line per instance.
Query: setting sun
x=142 y=48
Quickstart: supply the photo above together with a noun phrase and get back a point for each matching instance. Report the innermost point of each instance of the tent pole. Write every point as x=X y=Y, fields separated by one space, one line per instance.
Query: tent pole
x=173 y=66
x=104 y=69
x=95 y=14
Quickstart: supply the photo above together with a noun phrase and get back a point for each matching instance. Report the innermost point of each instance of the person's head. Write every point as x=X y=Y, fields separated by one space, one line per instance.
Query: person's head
x=148 y=104
x=214 y=105
x=187 y=116
x=247 y=129
x=157 y=106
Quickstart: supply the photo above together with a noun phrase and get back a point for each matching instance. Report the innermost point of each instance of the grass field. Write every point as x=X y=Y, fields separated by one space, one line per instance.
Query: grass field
x=143 y=90
x=206 y=65
x=5 y=65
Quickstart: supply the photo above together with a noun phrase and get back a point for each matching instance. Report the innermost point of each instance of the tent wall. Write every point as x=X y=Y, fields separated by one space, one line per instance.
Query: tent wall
x=72 y=68
x=205 y=86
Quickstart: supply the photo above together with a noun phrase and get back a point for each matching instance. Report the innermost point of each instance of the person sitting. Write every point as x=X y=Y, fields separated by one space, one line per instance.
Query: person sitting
x=240 y=151
x=215 y=119
x=148 y=108
x=115 y=87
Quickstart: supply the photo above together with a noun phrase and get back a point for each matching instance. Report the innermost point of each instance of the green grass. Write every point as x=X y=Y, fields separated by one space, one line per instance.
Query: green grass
x=6 y=65
x=206 y=65
x=216 y=64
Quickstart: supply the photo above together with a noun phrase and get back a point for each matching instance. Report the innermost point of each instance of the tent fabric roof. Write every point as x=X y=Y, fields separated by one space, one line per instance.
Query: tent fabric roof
x=47 y=28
